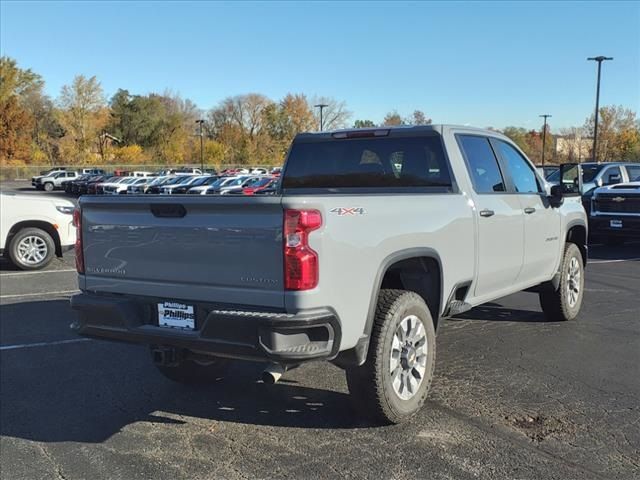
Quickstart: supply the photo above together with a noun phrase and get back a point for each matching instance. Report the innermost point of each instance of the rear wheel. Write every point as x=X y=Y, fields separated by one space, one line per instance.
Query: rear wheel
x=563 y=303
x=31 y=249
x=195 y=372
x=393 y=383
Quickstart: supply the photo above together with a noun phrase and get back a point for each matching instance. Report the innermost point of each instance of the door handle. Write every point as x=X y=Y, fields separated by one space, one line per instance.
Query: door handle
x=529 y=210
x=487 y=213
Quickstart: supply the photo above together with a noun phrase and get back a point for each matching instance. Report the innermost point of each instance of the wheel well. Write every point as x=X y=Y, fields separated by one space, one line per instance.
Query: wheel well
x=420 y=275
x=578 y=235
x=47 y=227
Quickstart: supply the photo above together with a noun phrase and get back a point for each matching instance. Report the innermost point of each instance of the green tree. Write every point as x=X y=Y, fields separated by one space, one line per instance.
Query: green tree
x=363 y=124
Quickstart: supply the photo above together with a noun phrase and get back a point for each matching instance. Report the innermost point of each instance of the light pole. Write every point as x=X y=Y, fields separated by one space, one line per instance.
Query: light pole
x=599 y=59
x=321 y=106
x=544 y=134
x=201 y=122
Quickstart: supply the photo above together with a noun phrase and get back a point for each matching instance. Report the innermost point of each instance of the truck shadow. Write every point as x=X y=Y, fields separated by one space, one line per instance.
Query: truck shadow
x=88 y=391
x=494 y=312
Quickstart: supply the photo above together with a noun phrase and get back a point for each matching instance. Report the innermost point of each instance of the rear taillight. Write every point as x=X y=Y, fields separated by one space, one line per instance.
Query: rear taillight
x=77 y=222
x=300 y=260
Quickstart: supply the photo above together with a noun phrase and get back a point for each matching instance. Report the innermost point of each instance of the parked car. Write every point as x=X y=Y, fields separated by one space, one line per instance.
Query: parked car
x=356 y=262
x=47 y=173
x=54 y=181
x=183 y=181
x=594 y=175
x=259 y=171
x=156 y=187
x=117 y=188
x=204 y=180
x=108 y=183
x=52 y=170
x=189 y=171
x=615 y=213
x=67 y=184
x=93 y=171
x=35 y=229
x=214 y=187
x=263 y=183
x=208 y=186
x=90 y=187
x=238 y=184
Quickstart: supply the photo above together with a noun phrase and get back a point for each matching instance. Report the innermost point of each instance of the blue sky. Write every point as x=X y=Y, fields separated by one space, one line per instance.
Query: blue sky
x=478 y=63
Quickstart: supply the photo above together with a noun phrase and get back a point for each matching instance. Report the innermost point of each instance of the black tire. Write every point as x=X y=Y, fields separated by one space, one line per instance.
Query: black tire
x=44 y=243
x=48 y=187
x=556 y=302
x=190 y=372
x=371 y=385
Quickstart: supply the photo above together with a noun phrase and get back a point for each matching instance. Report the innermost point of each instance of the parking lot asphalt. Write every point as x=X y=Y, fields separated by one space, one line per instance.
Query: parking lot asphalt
x=514 y=396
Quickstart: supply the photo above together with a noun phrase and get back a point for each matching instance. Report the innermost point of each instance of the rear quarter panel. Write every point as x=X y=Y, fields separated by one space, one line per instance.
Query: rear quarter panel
x=352 y=248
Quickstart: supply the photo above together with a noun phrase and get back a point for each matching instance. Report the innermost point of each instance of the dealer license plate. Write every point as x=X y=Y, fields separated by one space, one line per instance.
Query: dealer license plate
x=176 y=315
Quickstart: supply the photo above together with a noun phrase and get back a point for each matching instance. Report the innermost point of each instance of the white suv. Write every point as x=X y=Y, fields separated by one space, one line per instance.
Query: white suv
x=34 y=229
x=53 y=181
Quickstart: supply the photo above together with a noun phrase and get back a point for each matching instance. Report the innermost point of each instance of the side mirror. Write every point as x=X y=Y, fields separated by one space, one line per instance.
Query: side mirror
x=555 y=195
x=599 y=182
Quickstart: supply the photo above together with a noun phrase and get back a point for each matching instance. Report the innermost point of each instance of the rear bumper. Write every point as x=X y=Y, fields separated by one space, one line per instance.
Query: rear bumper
x=601 y=225
x=248 y=335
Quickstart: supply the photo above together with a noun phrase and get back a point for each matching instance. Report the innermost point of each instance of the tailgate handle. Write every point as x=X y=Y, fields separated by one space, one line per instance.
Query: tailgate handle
x=168 y=211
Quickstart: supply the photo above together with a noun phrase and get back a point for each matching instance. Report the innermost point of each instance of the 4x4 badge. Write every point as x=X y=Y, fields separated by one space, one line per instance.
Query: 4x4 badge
x=348 y=211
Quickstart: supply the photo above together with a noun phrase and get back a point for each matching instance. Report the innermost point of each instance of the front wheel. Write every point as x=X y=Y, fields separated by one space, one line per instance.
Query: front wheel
x=48 y=187
x=31 y=249
x=563 y=303
x=393 y=383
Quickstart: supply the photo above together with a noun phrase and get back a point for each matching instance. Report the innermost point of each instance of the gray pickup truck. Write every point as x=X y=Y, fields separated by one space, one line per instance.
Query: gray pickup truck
x=373 y=237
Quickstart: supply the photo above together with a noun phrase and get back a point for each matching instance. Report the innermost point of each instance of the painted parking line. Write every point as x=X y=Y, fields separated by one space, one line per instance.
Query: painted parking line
x=613 y=261
x=42 y=344
x=19 y=274
x=41 y=294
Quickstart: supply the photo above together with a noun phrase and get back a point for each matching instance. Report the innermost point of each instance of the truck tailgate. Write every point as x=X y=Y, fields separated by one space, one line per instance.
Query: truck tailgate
x=225 y=250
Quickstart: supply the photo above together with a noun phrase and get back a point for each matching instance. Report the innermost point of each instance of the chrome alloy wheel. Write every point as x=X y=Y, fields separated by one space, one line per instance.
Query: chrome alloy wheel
x=32 y=250
x=408 y=357
x=574 y=282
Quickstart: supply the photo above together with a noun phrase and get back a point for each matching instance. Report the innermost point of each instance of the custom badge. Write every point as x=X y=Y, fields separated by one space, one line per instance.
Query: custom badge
x=348 y=211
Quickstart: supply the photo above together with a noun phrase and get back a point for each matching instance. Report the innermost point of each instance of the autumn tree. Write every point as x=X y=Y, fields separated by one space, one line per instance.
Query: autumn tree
x=26 y=118
x=618 y=134
x=392 y=119
x=83 y=115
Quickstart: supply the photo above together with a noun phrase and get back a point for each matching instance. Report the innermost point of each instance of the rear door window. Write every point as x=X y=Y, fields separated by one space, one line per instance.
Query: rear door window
x=634 y=173
x=521 y=172
x=368 y=163
x=482 y=163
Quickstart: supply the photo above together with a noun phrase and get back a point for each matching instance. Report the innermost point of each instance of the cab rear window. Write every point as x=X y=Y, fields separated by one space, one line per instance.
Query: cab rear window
x=396 y=163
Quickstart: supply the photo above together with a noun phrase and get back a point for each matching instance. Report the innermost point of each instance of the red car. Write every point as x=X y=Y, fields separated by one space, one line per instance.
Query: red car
x=261 y=185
